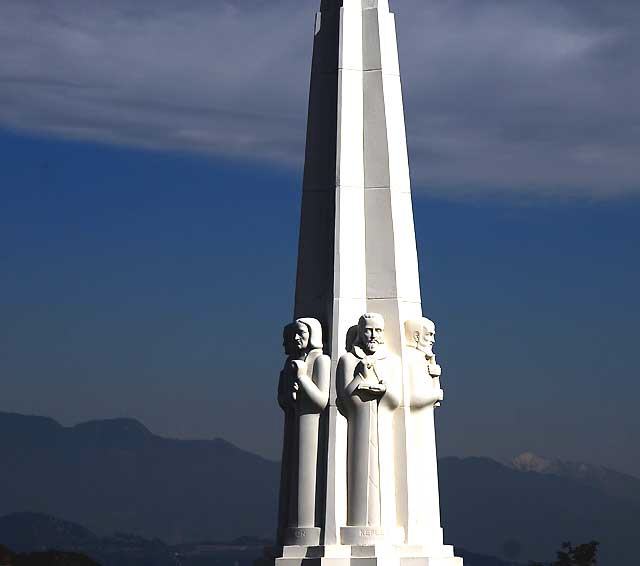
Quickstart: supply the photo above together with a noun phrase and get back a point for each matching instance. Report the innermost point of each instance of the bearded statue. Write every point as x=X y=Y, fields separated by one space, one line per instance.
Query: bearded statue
x=423 y=380
x=368 y=384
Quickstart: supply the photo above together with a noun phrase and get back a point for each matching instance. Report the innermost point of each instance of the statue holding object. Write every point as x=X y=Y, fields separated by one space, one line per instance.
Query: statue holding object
x=303 y=394
x=369 y=390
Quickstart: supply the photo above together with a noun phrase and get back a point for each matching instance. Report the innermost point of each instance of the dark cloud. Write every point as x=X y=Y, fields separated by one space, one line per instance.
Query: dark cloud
x=523 y=96
x=536 y=96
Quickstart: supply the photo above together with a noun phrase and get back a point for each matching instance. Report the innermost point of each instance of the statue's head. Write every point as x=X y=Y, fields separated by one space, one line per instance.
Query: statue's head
x=301 y=336
x=370 y=332
x=421 y=334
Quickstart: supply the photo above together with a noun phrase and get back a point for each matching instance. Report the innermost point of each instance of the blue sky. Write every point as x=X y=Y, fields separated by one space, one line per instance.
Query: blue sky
x=149 y=201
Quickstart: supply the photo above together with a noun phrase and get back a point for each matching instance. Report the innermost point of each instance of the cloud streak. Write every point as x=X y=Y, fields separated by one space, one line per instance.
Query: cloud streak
x=533 y=97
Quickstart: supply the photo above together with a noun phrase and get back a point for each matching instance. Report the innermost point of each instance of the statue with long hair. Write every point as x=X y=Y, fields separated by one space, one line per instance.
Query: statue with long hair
x=303 y=394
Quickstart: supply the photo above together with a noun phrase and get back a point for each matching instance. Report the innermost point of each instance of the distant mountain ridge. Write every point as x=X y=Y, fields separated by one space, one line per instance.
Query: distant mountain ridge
x=117 y=476
x=32 y=532
x=610 y=481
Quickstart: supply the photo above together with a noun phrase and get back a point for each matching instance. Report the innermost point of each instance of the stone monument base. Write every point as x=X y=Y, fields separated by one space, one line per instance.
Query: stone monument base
x=301 y=536
x=370 y=536
x=361 y=555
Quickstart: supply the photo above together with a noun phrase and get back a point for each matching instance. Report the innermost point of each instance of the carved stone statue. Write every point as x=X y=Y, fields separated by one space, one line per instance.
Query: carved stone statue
x=303 y=394
x=368 y=386
x=421 y=336
x=425 y=393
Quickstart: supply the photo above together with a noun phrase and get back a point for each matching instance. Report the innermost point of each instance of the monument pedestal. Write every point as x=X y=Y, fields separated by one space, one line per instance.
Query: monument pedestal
x=300 y=537
x=370 y=536
x=370 y=555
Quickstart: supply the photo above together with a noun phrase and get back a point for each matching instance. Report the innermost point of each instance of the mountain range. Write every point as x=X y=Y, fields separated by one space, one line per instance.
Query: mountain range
x=610 y=481
x=117 y=476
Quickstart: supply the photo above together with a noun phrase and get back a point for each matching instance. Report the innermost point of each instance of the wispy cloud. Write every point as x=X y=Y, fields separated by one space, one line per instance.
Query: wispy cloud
x=533 y=97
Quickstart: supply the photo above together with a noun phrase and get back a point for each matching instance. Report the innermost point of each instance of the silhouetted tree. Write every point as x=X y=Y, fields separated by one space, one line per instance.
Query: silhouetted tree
x=49 y=558
x=569 y=555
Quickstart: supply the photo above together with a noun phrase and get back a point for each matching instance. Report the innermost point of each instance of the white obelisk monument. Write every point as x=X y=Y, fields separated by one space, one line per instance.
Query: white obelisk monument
x=359 y=473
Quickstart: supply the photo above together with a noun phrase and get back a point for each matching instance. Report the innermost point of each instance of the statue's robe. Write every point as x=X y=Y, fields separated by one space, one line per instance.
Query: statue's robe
x=301 y=442
x=370 y=454
x=424 y=505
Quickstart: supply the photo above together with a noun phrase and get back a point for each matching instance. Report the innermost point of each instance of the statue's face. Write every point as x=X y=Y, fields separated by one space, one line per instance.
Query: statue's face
x=426 y=339
x=297 y=338
x=371 y=335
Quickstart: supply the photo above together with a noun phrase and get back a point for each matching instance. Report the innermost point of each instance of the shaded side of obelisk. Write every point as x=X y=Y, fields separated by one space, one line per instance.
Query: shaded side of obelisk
x=314 y=282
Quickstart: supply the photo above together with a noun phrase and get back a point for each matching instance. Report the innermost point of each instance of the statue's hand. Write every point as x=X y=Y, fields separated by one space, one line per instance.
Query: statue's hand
x=300 y=368
x=378 y=389
x=435 y=370
x=368 y=371
x=370 y=391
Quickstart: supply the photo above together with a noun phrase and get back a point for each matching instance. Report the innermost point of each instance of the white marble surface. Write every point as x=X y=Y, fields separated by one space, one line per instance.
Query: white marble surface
x=375 y=482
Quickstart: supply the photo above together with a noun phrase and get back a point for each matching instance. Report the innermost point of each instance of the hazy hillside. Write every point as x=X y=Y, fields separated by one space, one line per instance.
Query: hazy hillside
x=486 y=504
x=117 y=476
x=608 y=480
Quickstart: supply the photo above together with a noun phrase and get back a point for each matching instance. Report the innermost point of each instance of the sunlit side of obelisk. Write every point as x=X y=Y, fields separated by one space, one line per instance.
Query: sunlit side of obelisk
x=359 y=479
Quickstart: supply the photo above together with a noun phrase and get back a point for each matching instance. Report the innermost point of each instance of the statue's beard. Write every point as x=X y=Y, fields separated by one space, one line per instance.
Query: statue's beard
x=428 y=351
x=373 y=344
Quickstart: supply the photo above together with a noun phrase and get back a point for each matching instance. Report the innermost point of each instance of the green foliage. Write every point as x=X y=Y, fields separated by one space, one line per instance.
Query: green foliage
x=569 y=555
